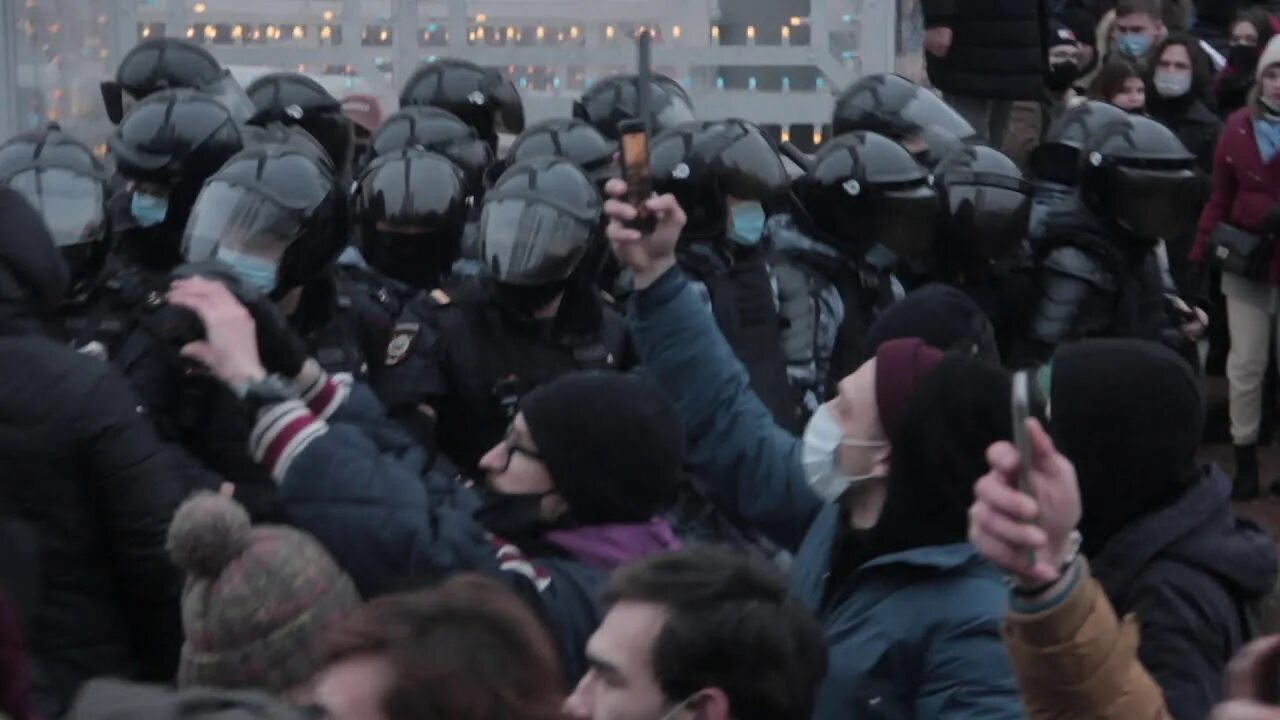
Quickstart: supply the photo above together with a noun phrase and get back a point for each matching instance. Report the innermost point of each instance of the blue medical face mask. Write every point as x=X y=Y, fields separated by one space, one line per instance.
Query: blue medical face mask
x=748 y=223
x=1134 y=45
x=254 y=272
x=148 y=210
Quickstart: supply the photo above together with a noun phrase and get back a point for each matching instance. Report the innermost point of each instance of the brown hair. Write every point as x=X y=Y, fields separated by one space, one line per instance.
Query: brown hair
x=1154 y=8
x=469 y=649
x=1110 y=80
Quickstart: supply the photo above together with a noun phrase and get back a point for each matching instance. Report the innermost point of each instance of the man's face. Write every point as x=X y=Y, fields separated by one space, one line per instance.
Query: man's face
x=1140 y=24
x=354 y=688
x=620 y=684
x=512 y=466
x=1062 y=54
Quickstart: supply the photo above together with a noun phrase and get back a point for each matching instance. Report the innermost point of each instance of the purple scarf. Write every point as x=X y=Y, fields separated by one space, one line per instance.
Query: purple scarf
x=609 y=546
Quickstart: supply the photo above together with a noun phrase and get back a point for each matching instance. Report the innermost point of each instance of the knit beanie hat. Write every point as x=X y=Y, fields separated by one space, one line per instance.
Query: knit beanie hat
x=942 y=316
x=900 y=366
x=257 y=599
x=1270 y=56
x=1061 y=34
x=613 y=443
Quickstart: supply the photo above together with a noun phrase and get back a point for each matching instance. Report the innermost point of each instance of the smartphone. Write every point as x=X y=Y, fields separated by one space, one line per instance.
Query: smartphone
x=1020 y=409
x=634 y=137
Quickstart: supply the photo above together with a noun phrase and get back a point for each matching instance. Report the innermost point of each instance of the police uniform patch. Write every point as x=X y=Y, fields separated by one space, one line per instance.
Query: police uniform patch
x=402 y=339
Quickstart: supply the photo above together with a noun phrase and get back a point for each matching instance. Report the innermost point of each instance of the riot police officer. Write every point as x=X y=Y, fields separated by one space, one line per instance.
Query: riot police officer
x=1098 y=273
x=165 y=149
x=1056 y=163
x=905 y=112
x=165 y=63
x=483 y=99
x=410 y=212
x=727 y=174
x=67 y=186
x=461 y=362
x=862 y=203
x=614 y=99
x=440 y=132
x=294 y=99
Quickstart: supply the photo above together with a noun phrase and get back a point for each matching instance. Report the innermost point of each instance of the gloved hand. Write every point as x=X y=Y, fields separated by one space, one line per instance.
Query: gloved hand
x=281 y=350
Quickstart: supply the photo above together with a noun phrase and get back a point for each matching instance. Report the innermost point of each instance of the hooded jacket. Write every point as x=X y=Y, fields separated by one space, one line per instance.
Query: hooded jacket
x=86 y=472
x=1158 y=527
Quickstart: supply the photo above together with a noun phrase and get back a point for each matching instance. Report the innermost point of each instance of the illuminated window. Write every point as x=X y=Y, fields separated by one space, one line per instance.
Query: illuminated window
x=573 y=32
x=191 y=32
x=327 y=15
x=199 y=7
x=481 y=17
x=675 y=32
x=608 y=32
x=299 y=32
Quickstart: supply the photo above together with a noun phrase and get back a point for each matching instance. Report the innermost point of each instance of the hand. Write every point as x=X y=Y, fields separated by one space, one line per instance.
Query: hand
x=1193 y=329
x=937 y=41
x=647 y=256
x=1005 y=524
x=1251 y=674
x=230 y=347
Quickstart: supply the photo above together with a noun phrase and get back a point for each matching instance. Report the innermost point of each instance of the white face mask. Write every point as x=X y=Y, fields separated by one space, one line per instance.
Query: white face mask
x=1172 y=84
x=822 y=438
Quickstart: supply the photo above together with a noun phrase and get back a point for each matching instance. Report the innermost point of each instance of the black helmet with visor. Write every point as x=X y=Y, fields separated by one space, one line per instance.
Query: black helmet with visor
x=1057 y=159
x=482 y=98
x=440 y=132
x=294 y=99
x=901 y=110
x=163 y=63
x=570 y=138
x=615 y=99
x=986 y=209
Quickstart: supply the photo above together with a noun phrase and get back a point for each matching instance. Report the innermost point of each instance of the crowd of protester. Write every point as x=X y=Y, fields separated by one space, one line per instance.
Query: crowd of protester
x=310 y=413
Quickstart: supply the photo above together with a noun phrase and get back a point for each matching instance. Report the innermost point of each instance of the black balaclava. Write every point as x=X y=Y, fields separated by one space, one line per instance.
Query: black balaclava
x=612 y=442
x=33 y=276
x=941 y=315
x=1129 y=415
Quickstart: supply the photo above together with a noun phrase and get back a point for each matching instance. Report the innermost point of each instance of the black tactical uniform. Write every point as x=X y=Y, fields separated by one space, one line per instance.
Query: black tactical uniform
x=480 y=97
x=166 y=63
x=469 y=356
x=905 y=112
x=296 y=100
x=1098 y=274
x=410 y=210
x=862 y=203
x=708 y=165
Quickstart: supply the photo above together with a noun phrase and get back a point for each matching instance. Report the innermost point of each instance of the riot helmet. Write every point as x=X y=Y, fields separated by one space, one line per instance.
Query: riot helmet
x=538 y=221
x=276 y=215
x=67 y=185
x=296 y=100
x=1057 y=159
x=901 y=110
x=864 y=189
x=615 y=99
x=162 y=63
x=570 y=138
x=1138 y=174
x=410 y=210
x=986 y=209
x=709 y=164
x=482 y=98
x=167 y=146
x=440 y=132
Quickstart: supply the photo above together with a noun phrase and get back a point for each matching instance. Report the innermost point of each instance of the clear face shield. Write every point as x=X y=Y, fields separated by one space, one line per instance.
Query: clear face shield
x=243 y=229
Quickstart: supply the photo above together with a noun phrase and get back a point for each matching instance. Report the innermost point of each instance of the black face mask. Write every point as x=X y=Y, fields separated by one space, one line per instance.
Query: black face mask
x=1061 y=76
x=1243 y=58
x=513 y=516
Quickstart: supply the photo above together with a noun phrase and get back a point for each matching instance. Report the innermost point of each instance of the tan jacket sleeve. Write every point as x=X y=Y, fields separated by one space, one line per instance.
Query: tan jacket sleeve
x=1077 y=660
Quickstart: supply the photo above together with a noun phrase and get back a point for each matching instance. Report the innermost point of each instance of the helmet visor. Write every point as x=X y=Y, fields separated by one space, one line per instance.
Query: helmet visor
x=72 y=205
x=1158 y=204
x=235 y=218
x=527 y=242
x=992 y=221
x=752 y=169
x=908 y=220
x=229 y=92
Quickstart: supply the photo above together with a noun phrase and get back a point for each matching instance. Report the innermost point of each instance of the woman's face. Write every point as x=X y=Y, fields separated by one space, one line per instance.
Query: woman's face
x=1132 y=96
x=1175 y=58
x=1271 y=84
x=855 y=411
x=1244 y=33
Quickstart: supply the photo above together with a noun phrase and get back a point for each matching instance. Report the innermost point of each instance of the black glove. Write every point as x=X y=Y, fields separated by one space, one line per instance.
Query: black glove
x=280 y=349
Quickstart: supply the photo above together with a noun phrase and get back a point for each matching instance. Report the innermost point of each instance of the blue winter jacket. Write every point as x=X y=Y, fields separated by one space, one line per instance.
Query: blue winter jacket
x=912 y=634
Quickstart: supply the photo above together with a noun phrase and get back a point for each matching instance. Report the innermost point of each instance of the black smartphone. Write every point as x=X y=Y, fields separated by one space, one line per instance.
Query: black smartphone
x=634 y=137
x=1020 y=409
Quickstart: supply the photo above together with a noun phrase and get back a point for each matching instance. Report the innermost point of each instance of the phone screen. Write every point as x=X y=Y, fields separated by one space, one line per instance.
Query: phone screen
x=635 y=163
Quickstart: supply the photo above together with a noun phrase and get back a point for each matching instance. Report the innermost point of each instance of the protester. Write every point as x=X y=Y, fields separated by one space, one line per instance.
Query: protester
x=872 y=559
x=1157 y=525
x=984 y=58
x=1137 y=27
x=1251 y=31
x=1177 y=86
x=701 y=633
x=1247 y=198
x=1071 y=656
x=942 y=316
x=1119 y=82
x=469 y=649
x=257 y=601
x=85 y=470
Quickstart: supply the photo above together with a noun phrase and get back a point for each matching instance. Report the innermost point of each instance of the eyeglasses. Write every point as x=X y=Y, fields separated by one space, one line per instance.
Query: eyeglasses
x=513 y=449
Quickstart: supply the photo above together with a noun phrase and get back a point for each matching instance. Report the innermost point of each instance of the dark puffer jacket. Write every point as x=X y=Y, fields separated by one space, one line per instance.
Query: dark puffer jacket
x=997 y=48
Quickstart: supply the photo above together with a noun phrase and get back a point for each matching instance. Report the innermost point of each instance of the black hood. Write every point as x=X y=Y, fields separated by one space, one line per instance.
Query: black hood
x=1198 y=530
x=33 y=275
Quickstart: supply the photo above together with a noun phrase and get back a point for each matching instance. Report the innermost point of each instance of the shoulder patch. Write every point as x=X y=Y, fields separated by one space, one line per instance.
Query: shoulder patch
x=441 y=297
x=402 y=339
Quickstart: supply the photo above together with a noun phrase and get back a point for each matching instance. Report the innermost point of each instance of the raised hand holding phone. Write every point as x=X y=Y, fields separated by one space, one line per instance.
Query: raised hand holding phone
x=634 y=136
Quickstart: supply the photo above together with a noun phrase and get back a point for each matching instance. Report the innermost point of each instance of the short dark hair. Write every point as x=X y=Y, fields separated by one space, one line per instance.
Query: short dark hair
x=732 y=625
x=1110 y=80
x=1154 y=8
x=469 y=649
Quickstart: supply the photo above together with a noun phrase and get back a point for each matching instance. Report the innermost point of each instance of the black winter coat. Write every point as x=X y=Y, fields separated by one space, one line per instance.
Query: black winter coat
x=85 y=469
x=997 y=48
